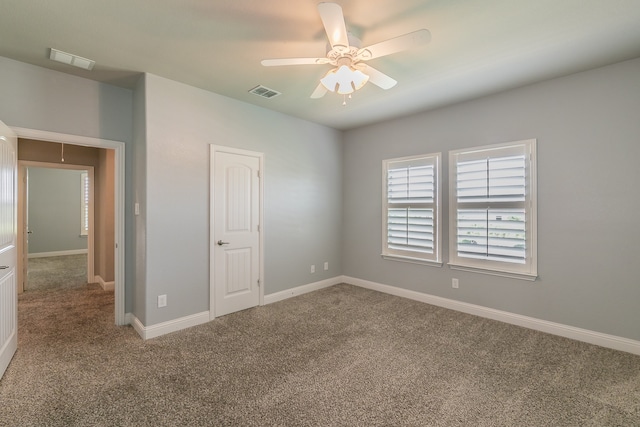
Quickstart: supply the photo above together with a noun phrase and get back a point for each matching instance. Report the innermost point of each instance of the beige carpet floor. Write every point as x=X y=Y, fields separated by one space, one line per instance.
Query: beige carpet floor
x=66 y=271
x=342 y=356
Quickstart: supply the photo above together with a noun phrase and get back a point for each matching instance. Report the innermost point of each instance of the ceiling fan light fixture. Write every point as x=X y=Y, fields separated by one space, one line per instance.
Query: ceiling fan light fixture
x=346 y=54
x=344 y=80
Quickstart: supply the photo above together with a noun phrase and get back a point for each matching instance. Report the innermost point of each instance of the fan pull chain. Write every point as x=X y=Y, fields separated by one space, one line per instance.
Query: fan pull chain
x=344 y=99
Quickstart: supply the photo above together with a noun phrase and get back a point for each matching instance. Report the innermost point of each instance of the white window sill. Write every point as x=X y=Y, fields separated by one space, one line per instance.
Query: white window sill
x=509 y=274
x=412 y=260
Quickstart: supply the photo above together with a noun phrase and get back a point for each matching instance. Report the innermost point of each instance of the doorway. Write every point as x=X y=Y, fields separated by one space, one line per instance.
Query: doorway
x=116 y=148
x=56 y=208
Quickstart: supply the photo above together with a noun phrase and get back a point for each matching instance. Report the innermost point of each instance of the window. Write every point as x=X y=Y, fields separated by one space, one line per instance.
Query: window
x=84 y=205
x=493 y=209
x=410 y=209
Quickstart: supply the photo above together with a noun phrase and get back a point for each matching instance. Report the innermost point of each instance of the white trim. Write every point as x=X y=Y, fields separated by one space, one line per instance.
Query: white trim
x=411 y=260
x=137 y=325
x=579 y=334
x=129 y=318
x=526 y=271
x=87 y=141
x=119 y=188
x=500 y=273
x=220 y=148
x=434 y=259
x=58 y=253
x=303 y=289
x=153 y=331
x=106 y=286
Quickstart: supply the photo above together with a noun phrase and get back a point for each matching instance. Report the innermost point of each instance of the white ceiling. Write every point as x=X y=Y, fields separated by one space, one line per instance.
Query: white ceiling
x=478 y=47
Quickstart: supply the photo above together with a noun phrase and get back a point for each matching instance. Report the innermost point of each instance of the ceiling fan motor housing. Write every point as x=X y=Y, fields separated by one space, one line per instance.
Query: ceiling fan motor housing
x=344 y=55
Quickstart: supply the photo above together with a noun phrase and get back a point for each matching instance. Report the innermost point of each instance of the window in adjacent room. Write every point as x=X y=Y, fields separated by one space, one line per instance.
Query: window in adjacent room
x=492 y=224
x=411 y=209
x=84 y=206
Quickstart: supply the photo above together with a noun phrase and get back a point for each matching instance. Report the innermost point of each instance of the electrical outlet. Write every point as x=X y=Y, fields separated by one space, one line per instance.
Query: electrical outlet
x=313 y=268
x=162 y=301
x=326 y=265
x=454 y=283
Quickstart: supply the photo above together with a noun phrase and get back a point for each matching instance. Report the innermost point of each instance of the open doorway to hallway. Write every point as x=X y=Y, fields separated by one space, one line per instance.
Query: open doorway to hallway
x=66 y=199
x=59 y=223
x=117 y=157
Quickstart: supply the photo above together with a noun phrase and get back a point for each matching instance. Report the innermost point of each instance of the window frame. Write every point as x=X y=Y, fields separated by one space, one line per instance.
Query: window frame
x=526 y=271
x=434 y=259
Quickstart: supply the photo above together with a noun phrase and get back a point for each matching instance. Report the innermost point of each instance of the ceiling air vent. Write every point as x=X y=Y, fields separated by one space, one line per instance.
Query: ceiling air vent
x=264 y=92
x=71 y=59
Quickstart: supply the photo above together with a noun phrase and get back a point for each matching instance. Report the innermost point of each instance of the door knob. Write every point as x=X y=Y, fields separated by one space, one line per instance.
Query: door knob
x=3 y=267
x=220 y=243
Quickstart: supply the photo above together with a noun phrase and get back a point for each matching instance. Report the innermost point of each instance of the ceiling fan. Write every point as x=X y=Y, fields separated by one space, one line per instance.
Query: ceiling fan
x=345 y=54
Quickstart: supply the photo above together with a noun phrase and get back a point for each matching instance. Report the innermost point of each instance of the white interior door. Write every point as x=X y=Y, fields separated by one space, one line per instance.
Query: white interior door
x=8 y=228
x=235 y=238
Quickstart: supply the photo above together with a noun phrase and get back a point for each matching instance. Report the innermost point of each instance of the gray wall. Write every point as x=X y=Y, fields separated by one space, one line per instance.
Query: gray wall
x=588 y=131
x=55 y=203
x=323 y=197
x=303 y=193
x=173 y=126
x=37 y=98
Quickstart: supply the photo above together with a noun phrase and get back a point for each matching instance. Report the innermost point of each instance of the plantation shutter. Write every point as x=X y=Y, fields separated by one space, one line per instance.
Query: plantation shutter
x=84 y=214
x=411 y=195
x=493 y=215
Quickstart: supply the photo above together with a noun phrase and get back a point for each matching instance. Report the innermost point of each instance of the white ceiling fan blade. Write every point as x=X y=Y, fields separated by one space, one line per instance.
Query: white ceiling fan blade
x=396 y=44
x=293 y=61
x=333 y=21
x=376 y=77
x=319 y=92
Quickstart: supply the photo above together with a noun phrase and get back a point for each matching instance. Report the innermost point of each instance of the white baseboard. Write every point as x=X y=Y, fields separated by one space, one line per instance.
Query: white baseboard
x=57 y=253
x=585 y=335
x=153 y=331
x=107 y=286
x=303 y=289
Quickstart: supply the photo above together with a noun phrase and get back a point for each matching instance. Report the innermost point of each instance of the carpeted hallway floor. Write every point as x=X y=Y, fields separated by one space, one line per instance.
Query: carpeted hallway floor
x=341 y=356
x=67 y=271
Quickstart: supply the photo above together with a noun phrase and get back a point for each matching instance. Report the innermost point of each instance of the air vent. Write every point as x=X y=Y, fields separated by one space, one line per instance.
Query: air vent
x=71 y=59
x=264 y=92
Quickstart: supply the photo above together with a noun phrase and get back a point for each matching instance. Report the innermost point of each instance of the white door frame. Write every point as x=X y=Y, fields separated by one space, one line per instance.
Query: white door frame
x=23 y=165
x=119 y=194
x=222 y=149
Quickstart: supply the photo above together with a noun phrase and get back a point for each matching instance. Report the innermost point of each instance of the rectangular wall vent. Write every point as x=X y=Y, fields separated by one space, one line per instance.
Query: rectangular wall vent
x=71 y=59
x=264 y=92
